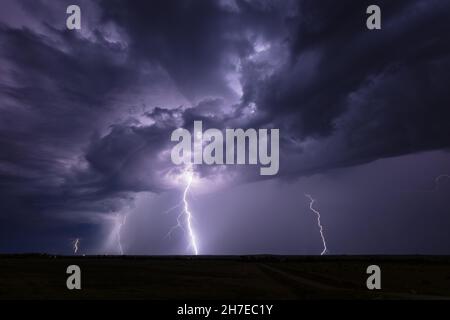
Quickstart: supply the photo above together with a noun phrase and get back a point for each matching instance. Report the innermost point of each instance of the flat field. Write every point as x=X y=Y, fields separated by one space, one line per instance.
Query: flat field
x=224 y=277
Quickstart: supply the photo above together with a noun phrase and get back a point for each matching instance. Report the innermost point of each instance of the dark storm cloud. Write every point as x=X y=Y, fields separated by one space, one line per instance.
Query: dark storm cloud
x=53 y=102
x=331 y=55
x=193 y=40
x=376 y=94
x=370 y=94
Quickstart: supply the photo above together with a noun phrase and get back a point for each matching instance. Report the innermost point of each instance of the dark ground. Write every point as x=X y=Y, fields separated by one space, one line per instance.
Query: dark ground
x=219 y=277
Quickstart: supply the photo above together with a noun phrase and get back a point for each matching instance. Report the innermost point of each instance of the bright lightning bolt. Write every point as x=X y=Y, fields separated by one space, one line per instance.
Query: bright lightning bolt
x=192 y=237
x=311 y=199
x=188 y=177
x=75 y=245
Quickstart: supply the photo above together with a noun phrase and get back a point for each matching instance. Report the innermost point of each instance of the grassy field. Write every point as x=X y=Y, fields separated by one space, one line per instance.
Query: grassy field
x=219 y=277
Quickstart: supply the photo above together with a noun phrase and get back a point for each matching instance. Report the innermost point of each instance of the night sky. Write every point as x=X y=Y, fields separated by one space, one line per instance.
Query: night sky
x=86 y=117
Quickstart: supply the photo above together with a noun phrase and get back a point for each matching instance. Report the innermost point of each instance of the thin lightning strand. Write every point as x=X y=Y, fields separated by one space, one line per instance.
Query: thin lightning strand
x=75 y=245
x=172 y=208
x=178 y=225
x=193 y=241
x=438 y=179
x=311 y=199
x=119 y=231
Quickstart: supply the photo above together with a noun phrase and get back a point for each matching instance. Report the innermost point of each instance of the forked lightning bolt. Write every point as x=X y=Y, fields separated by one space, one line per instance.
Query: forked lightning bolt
x=188 y=176
x=192 y=237
x=311 y=199
x=178 y=225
